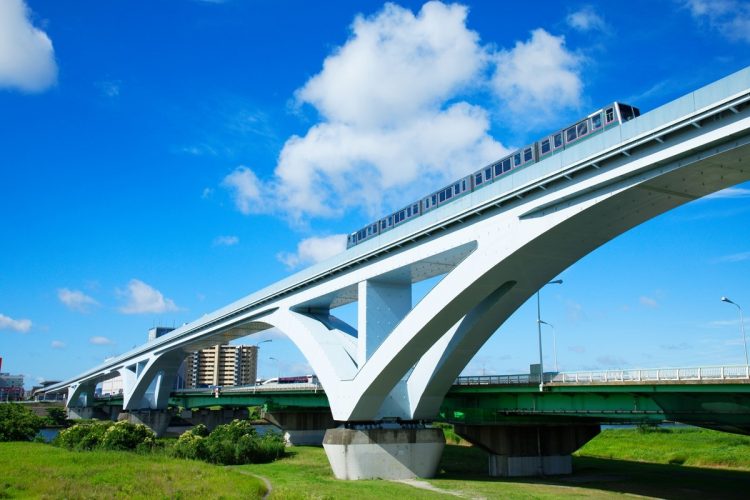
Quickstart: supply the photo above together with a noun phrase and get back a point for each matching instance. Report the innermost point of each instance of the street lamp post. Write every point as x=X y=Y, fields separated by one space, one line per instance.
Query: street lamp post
x=278 y=367
x=742 y=325
x=554 y=342
x=257 y=358
x=539 y=331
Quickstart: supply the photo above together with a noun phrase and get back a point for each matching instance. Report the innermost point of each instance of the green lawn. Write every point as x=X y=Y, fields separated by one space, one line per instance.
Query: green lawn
x=688 y=446
x=42 y=471
x=37 y=470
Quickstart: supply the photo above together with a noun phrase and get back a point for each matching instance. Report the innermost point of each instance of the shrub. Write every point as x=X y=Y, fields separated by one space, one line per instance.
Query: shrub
x=191 y=444
x=57 y=416
x=126 y=436
x=230 y=444
x=18 y=423
x=83 y=436
x=105 y=435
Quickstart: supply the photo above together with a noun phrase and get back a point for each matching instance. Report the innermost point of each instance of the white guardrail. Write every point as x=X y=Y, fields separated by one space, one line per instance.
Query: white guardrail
x=704 y=373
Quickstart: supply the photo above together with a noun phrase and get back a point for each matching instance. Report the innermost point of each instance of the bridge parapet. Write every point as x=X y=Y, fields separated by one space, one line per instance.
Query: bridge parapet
x=700 y=374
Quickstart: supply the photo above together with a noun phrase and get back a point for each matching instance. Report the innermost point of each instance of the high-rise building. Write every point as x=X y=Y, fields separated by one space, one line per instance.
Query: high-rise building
x=223 y=365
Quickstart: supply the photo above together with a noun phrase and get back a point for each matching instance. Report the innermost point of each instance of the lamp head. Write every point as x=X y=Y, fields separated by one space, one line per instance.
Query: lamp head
x=555 y=282
x=726 y=299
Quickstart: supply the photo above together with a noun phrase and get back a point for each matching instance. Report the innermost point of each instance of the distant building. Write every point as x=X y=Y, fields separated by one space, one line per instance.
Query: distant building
x=223 y=365
x=11 y=387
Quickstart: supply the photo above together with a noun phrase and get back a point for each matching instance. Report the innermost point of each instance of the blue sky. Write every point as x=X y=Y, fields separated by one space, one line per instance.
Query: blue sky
x=161 y=159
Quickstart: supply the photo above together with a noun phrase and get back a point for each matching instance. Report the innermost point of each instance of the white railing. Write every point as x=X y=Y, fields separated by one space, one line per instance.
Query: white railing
x=311 y=387
x=704 y=373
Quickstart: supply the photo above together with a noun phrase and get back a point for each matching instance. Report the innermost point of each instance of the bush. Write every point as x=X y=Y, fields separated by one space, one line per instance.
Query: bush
x=82 y=436
x=230 y=444
x=105 y=435
x=126 y=436
x=18 y=423
x=191 y=444
x=57 y=416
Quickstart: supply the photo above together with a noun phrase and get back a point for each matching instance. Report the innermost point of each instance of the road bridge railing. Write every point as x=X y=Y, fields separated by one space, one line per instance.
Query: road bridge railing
x=647 y=375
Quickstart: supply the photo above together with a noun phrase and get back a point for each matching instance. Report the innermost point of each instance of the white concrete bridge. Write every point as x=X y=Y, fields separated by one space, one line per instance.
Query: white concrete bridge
x=492 y=248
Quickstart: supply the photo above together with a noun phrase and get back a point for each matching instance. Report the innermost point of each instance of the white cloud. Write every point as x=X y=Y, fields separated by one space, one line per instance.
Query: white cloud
x=586 y=19
x=648 y=302
x=75 y=299
x=18 y=325
x=390 y=109
x=142 y=298
x=538 y=77
x=313 y=250
x=109 y=88
x=226 y=241
x=99 y=340
x=610 y=361
x=57 y=344
x=27 y=59
x=731 y=18
x=735 y=257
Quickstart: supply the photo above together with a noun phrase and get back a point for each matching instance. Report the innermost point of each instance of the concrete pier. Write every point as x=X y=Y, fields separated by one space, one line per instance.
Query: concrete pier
x=384 y=453
x=302 y=428
x=156 y=420
x=529 y=450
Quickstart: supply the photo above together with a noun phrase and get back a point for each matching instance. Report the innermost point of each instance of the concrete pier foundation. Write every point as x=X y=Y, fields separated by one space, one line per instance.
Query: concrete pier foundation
x=529 y=450
x=156 y=420
x=302 y=428
x=384 y=453
x=93 y=412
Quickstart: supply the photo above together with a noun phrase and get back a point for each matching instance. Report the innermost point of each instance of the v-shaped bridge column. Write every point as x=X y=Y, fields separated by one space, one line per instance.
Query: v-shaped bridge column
x=159 y=370
x=382 y=305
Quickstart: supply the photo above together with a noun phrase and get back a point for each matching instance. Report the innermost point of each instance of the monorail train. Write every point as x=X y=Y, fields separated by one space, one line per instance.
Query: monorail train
x=598 y=121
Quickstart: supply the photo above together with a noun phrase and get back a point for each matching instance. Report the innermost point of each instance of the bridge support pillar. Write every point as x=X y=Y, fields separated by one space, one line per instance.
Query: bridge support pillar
x=81 y=412
x=384 y=453
x=529 y=450
x=156 y=420
x=302 y=428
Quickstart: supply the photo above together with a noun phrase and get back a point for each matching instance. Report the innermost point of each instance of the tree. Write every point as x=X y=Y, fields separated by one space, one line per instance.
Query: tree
x=18 y=423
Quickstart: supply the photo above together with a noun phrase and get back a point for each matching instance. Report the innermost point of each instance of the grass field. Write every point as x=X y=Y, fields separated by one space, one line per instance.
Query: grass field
x=34 y=470
x=688 y=446
x=39 y=471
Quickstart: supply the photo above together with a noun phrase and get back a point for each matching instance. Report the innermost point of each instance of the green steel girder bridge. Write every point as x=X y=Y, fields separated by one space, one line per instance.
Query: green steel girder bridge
x=711 y=397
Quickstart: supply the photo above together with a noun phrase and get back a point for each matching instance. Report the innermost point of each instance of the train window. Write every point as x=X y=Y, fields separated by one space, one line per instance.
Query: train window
x=415 y=209
x=487 y=174
x=582 y=128
x=506 y=164
x=463 y=184
x=448 y=194
x=498 y=169
x=408 y=211
x=527 y=154
x=626 y=112
x=456 y=188
x=596 y=121
x=434 y=199
x=390 y=220
x=442 y=196
x=517 y=159
x=545 y=146
x=570 y=134
x=478 y=179
x=558 y=140
x=609 y=115
x=382 y=224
